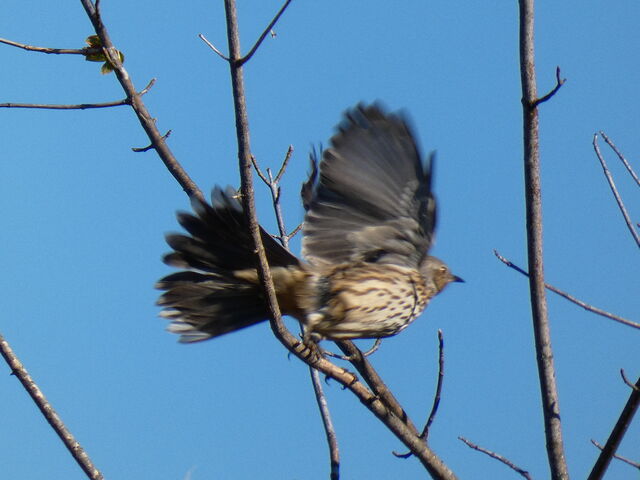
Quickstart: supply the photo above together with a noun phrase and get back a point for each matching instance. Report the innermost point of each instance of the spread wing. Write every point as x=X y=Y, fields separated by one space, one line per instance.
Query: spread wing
x=372 y=201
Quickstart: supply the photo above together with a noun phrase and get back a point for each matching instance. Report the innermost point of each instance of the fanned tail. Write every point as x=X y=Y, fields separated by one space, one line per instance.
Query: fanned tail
x=217 y=291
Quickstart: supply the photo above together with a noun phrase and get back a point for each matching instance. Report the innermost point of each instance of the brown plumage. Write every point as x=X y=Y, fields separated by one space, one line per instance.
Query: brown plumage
x=368 y=227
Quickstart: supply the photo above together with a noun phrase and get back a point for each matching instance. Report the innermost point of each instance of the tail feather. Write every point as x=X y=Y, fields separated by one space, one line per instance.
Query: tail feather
x=210 y=297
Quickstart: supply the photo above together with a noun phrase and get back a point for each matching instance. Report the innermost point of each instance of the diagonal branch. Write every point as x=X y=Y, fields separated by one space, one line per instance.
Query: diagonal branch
x=619 y=457
x=75 y=449
x=144 y=117
x=621 y=157
x=620 y=428
x=533 y=200
x=496 y=456
x=266 y=31
x=571 y=298
x=614 y=190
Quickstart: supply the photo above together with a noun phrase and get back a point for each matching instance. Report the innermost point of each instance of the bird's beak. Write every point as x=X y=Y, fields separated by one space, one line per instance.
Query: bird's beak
x=458 y=279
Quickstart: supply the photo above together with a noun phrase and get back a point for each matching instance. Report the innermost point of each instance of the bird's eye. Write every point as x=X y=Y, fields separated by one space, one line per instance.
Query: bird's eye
x=443 y=269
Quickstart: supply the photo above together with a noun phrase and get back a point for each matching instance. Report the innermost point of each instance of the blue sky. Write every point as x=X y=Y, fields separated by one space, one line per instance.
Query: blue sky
x=84 y=219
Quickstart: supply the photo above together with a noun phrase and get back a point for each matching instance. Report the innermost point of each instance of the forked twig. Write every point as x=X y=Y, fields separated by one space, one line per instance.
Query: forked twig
x=614 y=190
x=498 y=457
x=621 y=157
x=571 y=298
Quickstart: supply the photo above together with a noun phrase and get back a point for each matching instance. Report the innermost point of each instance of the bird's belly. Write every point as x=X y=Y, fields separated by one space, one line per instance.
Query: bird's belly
x=370 y=301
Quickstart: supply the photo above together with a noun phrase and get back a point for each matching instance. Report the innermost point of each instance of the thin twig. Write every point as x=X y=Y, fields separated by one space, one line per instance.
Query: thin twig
x=295 y=231
x=274 y=188
x=619 y=457
x=571 y=298
x=144 y=117
x=285 y=163
x=436 y=398
x=266 y=31
x=75 y=449
x=374 y=348
x=150 y=146
x=617 y=434
x=559 y=83
x=614 y=190
x=533 y=200
x=621 y=157
x=213 y=47
x=56 y=51
x=498 y=457
x=327 y=423
x=626 y=380
x=78 y=106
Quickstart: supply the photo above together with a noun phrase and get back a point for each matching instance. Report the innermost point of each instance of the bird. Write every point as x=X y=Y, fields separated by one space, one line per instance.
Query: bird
x=365 y=271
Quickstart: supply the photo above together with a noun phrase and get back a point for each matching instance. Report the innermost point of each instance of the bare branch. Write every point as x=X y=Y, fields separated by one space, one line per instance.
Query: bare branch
x=79 y=106
x=559 y=83
x=617 y=434
x=212 y=47
x=374 y=348
x=75 y=449
x=56 y=51
x=533 y=201
x=295 y=231
x=436 y=398
x=614 y=190
x=571 y=298
x=371 y=377
x=144 y=117
x=626 y=380
x=621 y=157
x=619 y=457
x=325 y=414
x=266 y=31
x=285 y=163
x=498 y=457
x=150 y=147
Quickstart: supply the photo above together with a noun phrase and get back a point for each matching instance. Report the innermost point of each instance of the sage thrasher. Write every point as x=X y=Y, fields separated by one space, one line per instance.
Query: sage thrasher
x=369 y=223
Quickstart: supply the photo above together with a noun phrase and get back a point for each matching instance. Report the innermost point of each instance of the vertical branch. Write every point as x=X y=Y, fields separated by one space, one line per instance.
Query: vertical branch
x=332 y=439
x=542 y=334
x=244 y=159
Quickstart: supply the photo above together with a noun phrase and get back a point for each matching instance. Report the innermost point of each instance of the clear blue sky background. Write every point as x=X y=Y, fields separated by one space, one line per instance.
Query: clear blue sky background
x=83 y=220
